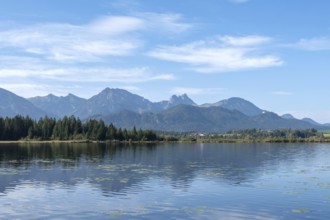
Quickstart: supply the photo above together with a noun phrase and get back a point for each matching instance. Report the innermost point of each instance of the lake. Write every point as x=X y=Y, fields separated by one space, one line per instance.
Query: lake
x=165 y=181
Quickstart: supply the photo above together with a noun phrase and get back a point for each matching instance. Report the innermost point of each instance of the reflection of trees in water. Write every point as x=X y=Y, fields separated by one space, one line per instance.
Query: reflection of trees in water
x=50 y=151
x=114 y=168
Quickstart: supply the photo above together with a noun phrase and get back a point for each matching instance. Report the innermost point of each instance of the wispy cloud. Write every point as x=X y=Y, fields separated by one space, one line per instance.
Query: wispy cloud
x=114 y=25
x=26 y=89
x=221 y=54
x=105 y=74
x=74 y=43
x=30 y=76
x=169 y=22
x=103 y=37
x=282 y=93
x=30 y=89
x=252 y=40
x=313 y=44
x=62 y=53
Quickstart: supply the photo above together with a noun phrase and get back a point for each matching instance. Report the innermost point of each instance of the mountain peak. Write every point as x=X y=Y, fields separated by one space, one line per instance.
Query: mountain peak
x=239 y=104
x=107 y=90
x=181 y=99
x=52 y=96
x=311 y=121
x=71 y=95
x=48 y=98
x=236 y=100
x=288 y=116
x=12 y=104
x=115 y=94
x=180 y=113
x=4 y=92
x=73 y=98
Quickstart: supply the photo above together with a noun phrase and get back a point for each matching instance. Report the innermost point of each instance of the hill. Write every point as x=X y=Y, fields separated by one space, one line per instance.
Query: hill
x=179 y=113
x=185 y=118
x=12 y=105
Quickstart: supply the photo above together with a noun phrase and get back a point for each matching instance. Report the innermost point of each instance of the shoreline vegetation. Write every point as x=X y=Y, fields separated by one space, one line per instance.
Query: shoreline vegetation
x=189 y=140
x=21 y=129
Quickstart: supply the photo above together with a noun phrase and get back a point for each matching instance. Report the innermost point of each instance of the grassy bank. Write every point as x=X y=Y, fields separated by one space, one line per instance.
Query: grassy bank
x=236 y=136
x=184 y=140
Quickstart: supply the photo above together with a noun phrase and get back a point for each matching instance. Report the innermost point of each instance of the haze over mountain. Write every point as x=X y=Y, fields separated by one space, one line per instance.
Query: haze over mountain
x=161 y=48
x=179 y=113
x=12 y=105
x=185 y=118
x=238 y=104
x=311 y=121
x=113 y=100
x=288 y=116
x=59 y=106
x=106 y=102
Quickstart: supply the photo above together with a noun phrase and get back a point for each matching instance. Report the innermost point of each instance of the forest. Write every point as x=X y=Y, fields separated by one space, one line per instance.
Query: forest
x=277 y=135
x=72 y=128
x=68 y=128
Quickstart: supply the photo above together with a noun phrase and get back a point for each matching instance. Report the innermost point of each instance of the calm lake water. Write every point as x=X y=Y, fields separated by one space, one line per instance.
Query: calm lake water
x=166 y=181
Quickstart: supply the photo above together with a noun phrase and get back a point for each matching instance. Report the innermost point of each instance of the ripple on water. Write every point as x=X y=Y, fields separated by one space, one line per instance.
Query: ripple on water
x=176 y=182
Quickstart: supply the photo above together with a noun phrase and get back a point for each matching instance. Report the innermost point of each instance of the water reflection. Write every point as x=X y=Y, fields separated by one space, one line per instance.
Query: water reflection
x=200 y=173
x=114 y=167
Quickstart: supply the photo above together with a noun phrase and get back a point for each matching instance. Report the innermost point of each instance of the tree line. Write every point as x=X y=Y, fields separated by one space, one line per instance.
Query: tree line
x=259 y=135
x=285 y=133
x=68 y=128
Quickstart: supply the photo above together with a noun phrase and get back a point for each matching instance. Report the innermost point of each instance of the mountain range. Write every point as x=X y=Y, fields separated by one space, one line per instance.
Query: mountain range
x=106 y=102
x=12 y=105
x=179 y=113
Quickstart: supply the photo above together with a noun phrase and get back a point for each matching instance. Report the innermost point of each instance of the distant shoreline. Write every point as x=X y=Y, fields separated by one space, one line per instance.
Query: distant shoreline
x=72 y=141
x=238 y=141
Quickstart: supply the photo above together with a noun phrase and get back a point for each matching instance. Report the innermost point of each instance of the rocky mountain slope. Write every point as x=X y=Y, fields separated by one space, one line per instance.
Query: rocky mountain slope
x=12 y=105
x=179 y=113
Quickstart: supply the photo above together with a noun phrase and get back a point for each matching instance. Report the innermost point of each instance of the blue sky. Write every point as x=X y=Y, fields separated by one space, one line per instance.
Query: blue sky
x=274 y=53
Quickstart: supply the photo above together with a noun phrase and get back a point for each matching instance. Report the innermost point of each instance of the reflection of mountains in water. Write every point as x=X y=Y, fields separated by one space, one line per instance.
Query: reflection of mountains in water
x=116 y=168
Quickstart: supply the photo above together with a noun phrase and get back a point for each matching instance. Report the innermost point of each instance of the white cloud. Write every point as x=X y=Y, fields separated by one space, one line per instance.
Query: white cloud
x=251 y=40
x=220 y=55
x=94 y=41
x=115 y=25
x=61 y=52
x=98 y=75
x=26 y=89
x=165 y=22
x=74 y=43
x=282 y=93
x=18 y=78
x=313 y=44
